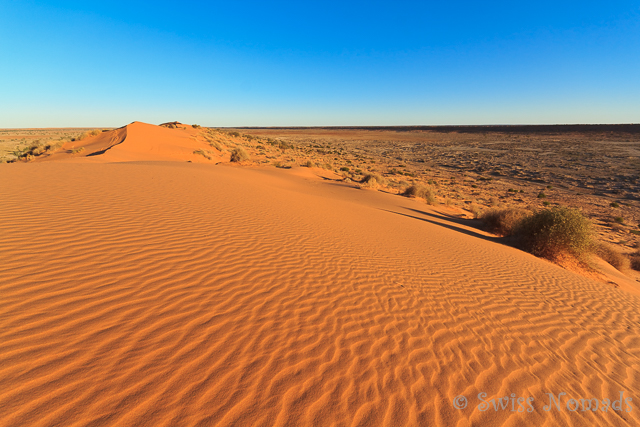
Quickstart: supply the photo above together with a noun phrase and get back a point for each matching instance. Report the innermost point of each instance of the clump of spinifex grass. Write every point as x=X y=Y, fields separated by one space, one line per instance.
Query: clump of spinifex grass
x=36 y=149
x=89 y=133
x=239 y=155
x=373 y=180
x=426 y=193
x=203 y=154
x=503 y=221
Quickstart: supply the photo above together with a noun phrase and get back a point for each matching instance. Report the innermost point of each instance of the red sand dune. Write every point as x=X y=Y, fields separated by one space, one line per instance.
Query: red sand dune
x=154 y=293
x=137 y=141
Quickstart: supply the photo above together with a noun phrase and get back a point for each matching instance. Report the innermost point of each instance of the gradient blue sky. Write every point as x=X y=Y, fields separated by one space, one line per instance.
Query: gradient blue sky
x=278 y=63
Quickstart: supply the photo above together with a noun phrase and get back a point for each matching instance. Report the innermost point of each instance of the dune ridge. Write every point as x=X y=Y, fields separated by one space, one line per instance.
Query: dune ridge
x=207 y=295
x=136 y=142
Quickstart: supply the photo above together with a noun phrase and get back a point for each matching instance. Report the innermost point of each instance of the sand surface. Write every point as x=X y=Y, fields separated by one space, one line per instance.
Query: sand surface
x=138 y=292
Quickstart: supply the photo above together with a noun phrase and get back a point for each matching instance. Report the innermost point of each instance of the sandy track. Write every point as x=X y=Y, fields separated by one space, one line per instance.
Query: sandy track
x=184 y=294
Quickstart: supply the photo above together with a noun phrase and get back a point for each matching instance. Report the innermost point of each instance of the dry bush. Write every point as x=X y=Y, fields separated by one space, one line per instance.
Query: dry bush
x=427 y=193
x=203 y=153
x=215 y=144
x=239 y=155
x=77 y=150
x=612 y=256
x=634 y=259
x=550 y=233
x=503 y=221
x=475 y=210
x=88 y=133
x=309 y=164
x=372 y=180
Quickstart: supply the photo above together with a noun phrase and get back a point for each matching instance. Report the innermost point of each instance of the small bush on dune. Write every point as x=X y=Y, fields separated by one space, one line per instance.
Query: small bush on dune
x=309 y=164
x=426 y=193
x=87 y=134
x=503 y=221
x=612 y=256
x=635 y=260
x=239 y=155
x=372 y=180
x=475 y=210
x=203 y=154
x=553 y=232
x=215 y=144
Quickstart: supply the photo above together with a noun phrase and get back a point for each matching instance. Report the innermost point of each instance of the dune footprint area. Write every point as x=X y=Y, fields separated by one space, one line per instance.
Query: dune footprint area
x=144 y=284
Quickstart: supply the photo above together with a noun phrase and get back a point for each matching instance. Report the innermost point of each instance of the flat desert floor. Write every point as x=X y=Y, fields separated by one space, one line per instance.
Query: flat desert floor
x=145 y=280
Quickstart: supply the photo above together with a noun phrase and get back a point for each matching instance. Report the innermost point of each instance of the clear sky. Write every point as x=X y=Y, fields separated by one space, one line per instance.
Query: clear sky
x=279 y=63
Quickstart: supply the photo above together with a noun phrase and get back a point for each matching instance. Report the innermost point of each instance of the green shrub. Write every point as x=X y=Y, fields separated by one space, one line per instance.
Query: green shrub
x=541 y=195
x=553 y=232
x=239 y=155
x=345 y=169
x=618 y=219
x=614 y=205
x=426 y=193
x=503 y=221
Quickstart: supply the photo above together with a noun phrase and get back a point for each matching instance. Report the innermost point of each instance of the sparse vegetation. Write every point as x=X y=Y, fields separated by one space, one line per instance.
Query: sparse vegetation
x=541 y=195
x=426 y=193
x=239 y=155
x=77 y=150
x=203 y=154
x=614 y=205
x=215 y=145
x=309 y=164
x=87 y=134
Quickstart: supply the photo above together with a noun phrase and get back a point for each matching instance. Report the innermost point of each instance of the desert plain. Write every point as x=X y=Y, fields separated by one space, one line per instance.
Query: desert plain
x=184 y=275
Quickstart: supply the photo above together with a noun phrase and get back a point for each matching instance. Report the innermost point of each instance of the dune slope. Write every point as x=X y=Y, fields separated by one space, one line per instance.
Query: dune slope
x=182 y=294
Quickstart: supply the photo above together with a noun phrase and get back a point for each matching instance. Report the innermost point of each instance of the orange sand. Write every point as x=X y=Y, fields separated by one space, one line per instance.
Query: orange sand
x=137 y=292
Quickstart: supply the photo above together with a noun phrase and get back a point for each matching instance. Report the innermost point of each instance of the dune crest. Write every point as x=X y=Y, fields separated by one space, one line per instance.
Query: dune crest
x=137 y=142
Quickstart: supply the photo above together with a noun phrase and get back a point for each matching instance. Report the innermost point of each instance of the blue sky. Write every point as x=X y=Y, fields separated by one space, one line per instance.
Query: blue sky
x=279 y=63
